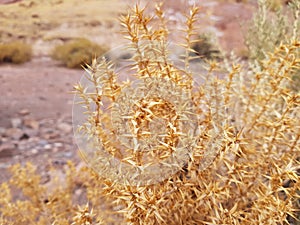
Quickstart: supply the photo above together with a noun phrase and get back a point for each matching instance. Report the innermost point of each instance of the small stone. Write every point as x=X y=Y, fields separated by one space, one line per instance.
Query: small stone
x=7 y=150
x=14 y=133
x=31 y=123
x=34 y=139
x=47 y=147
x=24 y=136
x=34 y=151
x=22 y=147
x=67 y=154
x=24 y=112
x=16 y=122
x=50 y=136
x=30 y=132
x=17 y=157
x=59 y=162
x=49 y=133
x=58 y=144
x=2 y=131
x=64 y=127
x=43 y=142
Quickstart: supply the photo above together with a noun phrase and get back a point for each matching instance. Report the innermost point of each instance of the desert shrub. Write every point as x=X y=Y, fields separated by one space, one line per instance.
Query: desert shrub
x=15 y=52
x=204 y=48
x=242 y=167
x=49 y=204
x=249 y=116
x=274 y=5
x=78 y=52
x=268 y=29
x=261 y=37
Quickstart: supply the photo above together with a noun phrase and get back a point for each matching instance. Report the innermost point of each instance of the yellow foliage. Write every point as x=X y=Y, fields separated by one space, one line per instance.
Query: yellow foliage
x=77 y=53
x=15 y=52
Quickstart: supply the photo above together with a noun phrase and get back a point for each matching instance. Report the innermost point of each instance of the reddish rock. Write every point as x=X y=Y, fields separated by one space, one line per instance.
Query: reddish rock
x=7 y=150
x=31 y=123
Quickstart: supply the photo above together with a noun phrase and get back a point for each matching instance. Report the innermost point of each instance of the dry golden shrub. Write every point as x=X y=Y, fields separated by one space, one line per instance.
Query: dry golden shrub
x=15 y=52
x=78 y=52
x=250 y=117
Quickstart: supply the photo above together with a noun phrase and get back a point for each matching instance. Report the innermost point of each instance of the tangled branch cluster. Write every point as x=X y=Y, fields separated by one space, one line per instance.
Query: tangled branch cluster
x=245 y=134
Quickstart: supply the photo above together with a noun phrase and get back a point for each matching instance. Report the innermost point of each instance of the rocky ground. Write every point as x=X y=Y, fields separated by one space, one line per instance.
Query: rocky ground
x=36 y=99
x=36 y=114
x=45 y=142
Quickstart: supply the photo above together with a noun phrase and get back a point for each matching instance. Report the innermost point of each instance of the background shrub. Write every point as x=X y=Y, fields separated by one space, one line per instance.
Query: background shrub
x=15 y=52
x=269 y=28
x=204 y=47
x=77 y=52
x=262 y=37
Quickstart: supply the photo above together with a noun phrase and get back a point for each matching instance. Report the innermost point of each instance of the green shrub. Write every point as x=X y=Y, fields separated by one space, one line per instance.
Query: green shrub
x=78 y=52
x=15 y=52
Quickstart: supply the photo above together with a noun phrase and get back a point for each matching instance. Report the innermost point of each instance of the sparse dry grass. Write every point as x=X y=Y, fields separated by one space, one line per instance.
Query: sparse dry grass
x=15 y=52
x=77 y=53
